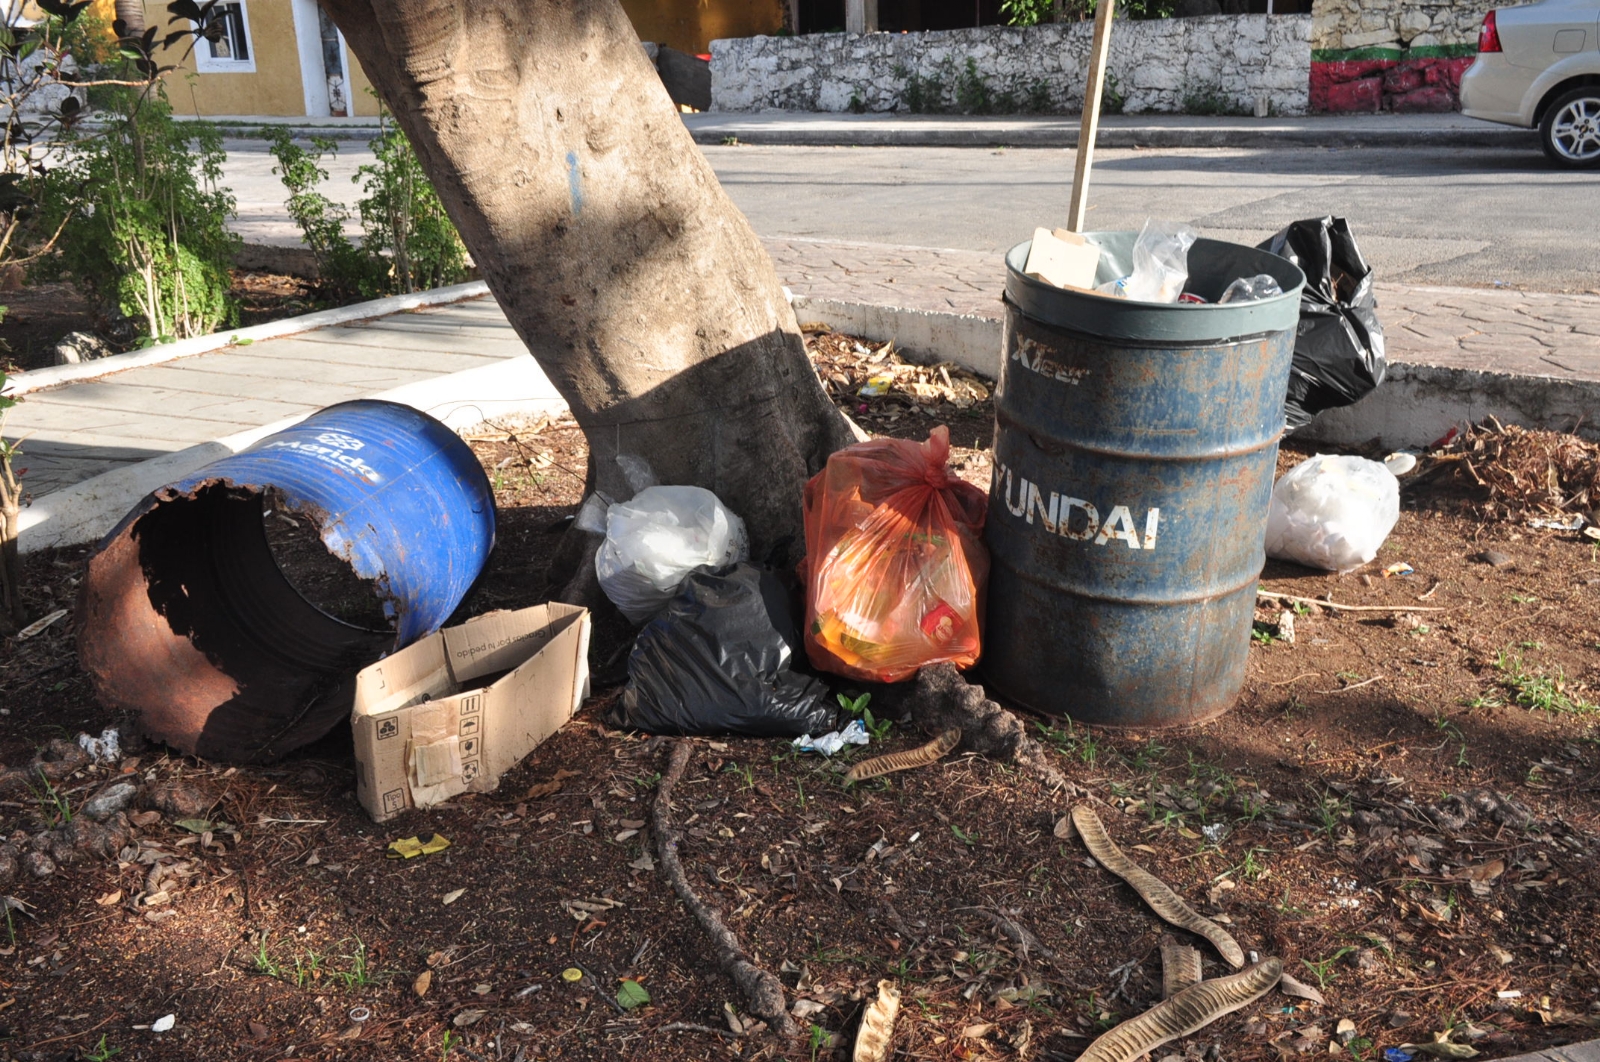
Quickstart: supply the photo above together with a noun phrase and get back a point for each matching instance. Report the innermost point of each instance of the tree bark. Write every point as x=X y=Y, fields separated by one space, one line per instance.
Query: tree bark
x=637 y=285
x=131 y=14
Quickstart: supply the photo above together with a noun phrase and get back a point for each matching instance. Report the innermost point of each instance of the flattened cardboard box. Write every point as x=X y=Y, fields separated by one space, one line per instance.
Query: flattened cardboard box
x=428 y=726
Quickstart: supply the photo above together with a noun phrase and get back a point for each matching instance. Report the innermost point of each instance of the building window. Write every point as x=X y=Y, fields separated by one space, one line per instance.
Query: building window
x=224 y=47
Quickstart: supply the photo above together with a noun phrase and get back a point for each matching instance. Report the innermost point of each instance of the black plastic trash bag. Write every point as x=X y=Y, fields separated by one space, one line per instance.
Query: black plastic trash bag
x=717 y=660
x=1338 y=351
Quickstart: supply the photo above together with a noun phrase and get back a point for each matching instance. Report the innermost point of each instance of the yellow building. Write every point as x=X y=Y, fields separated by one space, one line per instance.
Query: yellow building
x=285 y=58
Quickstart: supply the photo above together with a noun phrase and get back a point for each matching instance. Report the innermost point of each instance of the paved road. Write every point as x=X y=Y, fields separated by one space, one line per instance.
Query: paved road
x=1471 y=217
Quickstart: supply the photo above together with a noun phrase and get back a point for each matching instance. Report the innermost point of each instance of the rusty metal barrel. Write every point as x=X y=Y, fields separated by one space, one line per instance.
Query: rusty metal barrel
x=1134 y=452
x=187 y=621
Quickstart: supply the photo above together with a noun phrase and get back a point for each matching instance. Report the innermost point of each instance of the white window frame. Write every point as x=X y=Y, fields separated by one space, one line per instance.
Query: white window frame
x=205 y=63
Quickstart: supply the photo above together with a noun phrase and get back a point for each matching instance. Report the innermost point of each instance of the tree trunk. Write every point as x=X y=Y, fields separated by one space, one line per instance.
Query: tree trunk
x=131 y=14
x=601 y=229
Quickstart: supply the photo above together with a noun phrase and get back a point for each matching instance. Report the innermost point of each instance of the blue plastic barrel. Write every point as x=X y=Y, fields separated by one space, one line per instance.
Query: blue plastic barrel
x=1135 y=445
x=187 y=621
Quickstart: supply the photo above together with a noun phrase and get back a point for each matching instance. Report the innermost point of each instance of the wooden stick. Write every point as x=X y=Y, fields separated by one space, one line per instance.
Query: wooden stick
x=1345 y=608
x=763 y=992
x=1105 y=10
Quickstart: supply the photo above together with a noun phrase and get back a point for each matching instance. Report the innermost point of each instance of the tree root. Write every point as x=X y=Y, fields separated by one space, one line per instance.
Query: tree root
x=762 y=991
x=58 y=759
x=942 y=699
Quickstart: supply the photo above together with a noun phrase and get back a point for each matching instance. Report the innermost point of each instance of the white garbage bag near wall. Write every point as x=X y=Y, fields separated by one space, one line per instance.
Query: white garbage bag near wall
x=654 y=541
x=1332 y=512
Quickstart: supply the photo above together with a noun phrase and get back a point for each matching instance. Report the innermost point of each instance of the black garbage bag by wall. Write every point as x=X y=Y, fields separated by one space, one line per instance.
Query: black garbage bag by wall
x=717 y=660
x=1338 y=351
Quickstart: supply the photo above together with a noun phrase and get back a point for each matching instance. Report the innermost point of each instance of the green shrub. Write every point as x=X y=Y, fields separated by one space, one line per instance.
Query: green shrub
x=146 y=220
x=408 y=243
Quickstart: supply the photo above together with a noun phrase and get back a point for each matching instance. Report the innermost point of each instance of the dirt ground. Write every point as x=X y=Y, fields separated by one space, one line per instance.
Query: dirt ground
x=39 y=315
x=1402 y=807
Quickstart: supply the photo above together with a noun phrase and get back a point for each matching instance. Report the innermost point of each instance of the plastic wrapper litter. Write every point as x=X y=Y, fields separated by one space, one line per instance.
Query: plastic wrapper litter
x=717 y=660
x=1160 y=264
x=1332 y=512
x=655 y=540
x=895 y=566
x=1338 y=350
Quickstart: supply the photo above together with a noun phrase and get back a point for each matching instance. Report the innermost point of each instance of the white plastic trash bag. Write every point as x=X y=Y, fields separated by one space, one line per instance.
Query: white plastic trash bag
x=654 y=541
x=1332 y=512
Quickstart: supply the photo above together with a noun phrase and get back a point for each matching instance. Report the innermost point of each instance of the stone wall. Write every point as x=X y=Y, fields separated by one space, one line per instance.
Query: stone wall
x=1397 y=55
x=1214 y=63
x=1338 y=25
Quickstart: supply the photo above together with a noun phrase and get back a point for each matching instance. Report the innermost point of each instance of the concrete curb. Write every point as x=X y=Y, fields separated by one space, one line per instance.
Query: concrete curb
x=1063 y=133
x=84 y=512
x=39 y=379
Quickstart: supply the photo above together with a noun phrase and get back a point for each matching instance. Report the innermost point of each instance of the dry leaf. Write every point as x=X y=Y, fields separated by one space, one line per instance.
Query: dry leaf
x=1064 y=830
x=1502 y=956
x=544 y=789
x=115 y=896
x=423 y=982
x=804 y=1008
x=259 y=1031
x=877 y=1025
x=1483 y=872
x=467 y=1017
x=976 y=1032
x=452 y=896
x=1299 y=990
x=1443 y=1050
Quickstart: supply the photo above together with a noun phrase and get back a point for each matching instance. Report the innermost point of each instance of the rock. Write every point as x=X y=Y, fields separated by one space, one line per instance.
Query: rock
x=87 y=836
x=38 y=864
x=110 y=800
x=78 y=347
x=179 y=800
x=1494 y=558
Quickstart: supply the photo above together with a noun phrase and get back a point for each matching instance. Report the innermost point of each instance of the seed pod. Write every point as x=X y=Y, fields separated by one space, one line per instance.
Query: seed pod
x=920 y=756
x=877 y=1025
x=1162 y=900
x=1184 y=1014
x=1180 y=968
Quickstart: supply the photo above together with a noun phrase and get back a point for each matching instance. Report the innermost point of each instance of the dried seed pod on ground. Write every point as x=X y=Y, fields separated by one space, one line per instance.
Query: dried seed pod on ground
x=921 y=756
x=1185 y=1013
x=1162 y=900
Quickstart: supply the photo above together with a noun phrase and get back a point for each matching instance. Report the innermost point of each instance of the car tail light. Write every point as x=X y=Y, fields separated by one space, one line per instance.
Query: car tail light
x=1489 y=36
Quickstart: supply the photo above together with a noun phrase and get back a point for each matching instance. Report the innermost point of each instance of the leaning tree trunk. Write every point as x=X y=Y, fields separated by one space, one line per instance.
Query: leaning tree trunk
x=601 y=229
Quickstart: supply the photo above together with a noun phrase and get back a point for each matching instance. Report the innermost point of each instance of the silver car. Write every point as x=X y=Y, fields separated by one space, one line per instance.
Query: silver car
x=1538 y=66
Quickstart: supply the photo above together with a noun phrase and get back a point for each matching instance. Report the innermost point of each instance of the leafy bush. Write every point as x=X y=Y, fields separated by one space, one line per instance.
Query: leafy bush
x=146 y=220
x=408 y=243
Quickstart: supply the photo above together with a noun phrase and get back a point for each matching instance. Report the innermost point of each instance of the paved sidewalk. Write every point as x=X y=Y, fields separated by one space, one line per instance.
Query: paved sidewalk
x=79 y=430
x=796 y=128
x=1485 y=329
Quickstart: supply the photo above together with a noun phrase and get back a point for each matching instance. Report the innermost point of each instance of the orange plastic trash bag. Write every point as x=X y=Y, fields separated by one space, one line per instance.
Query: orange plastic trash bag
x=895 y=566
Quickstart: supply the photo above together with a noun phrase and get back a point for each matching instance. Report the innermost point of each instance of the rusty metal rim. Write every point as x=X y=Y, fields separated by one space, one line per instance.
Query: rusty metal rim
x=1006 y=420
x=1130 y=343
x=1125 y=599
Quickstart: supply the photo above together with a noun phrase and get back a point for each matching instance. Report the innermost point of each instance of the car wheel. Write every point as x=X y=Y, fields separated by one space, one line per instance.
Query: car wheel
x=1570 y=130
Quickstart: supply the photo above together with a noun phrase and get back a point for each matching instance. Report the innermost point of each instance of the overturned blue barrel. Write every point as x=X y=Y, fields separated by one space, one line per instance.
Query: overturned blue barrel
x=186 y=619
x=1134 y=452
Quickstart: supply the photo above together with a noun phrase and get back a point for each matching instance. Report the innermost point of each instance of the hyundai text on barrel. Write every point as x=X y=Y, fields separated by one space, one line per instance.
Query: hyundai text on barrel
x=1135 y=445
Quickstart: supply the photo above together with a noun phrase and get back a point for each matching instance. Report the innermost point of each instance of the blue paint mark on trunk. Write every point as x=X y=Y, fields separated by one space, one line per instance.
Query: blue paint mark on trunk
x=575 y=183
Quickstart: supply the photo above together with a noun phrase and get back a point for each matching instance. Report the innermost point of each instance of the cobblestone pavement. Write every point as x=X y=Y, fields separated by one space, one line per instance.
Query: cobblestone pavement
x=1489 y=329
